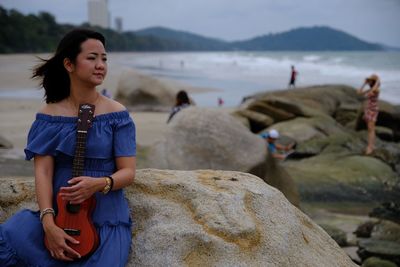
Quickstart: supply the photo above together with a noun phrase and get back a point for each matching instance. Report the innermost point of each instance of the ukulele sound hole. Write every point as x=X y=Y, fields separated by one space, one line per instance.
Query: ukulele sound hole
x=73 y=208
x=72 y=232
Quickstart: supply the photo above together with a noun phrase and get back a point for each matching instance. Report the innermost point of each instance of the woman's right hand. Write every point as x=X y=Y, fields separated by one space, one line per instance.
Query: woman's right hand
x=57 y=241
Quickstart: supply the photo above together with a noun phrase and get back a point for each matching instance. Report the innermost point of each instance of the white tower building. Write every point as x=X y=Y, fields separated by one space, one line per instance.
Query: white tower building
x=98 y=13
x=118 y=24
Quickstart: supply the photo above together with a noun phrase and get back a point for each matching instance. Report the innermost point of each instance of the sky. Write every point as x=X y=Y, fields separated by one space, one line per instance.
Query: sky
x=376 y=21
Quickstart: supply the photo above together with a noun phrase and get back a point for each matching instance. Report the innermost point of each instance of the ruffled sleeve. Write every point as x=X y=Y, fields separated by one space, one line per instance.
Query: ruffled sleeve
x=124 y=142
x=50 y=135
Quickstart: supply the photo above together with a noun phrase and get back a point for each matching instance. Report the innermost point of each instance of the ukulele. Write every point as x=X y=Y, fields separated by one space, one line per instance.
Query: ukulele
x=75 y=219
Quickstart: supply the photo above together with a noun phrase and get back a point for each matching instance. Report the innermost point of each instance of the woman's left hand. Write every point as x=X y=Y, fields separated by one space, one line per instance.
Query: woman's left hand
x=82 y=188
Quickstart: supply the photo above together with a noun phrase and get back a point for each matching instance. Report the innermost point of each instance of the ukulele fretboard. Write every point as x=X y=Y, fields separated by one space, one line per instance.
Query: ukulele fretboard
x=79 y=158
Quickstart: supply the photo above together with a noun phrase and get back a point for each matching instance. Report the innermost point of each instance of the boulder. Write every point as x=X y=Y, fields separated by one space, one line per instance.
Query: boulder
x=337 y=234
x=257 y=120
x=347 y=113
x=303 y=129
x=200 y=138
x=377 y=262
x=343 y=176
x=4 y=143
x=387 y=211
x=386 y=230
x=144 y=93
x=211 y=218
x=384 y=249
x=276 y=113
x=365 y=229
x=311 y=100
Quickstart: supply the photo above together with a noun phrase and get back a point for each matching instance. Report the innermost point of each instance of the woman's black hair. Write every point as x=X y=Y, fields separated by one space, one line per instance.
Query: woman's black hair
x=54 y=77
x=182 y=98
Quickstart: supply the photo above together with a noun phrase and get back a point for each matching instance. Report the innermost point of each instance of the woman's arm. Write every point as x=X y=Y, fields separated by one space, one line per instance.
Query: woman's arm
x=361 y=90
x=44 y=166
x=126 y=171
x=83 y=187
x=56 y=237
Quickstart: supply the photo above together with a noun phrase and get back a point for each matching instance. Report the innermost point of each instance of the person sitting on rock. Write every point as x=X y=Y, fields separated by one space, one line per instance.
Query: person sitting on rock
x=182 y=101
x=274 y=148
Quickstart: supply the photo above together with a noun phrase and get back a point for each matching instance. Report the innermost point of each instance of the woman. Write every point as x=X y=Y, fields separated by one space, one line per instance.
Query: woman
x=70 y=78
x=371 y=109
x=182 y=101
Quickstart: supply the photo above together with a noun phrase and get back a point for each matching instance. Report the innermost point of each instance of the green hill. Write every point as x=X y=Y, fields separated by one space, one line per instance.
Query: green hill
x=307 y=39
x=184 y=40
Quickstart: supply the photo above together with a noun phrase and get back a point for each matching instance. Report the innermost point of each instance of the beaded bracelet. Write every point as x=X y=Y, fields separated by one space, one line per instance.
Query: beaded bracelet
x=46 y=211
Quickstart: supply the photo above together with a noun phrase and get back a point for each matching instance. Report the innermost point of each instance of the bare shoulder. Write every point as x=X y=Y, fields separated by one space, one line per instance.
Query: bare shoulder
x=110 y=105
x=53 y=109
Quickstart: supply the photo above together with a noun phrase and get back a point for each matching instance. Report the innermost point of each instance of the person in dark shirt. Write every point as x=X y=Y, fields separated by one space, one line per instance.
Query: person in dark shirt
x=182 y=101
x=293 y=76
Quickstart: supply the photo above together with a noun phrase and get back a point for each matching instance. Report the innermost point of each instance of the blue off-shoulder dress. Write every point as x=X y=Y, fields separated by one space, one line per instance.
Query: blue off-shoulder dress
x=111 y=135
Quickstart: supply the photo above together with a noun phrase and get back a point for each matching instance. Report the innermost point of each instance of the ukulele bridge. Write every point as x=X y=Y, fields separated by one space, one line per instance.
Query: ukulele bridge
x=72 y=232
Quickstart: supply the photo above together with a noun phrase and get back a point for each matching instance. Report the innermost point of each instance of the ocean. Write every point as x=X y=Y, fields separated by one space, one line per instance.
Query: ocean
x=234 y=75
x=239 y=74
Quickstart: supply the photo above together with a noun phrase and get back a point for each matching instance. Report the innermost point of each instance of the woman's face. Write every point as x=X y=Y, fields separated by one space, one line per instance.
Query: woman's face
x=90 y=66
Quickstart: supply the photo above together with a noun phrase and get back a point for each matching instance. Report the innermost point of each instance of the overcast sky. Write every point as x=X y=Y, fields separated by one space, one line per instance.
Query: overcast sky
x=370 y=20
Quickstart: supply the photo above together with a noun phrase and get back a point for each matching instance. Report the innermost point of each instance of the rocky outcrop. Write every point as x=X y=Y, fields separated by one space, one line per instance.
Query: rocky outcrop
x=329 y=162
x=209 y=218
x=382 y=240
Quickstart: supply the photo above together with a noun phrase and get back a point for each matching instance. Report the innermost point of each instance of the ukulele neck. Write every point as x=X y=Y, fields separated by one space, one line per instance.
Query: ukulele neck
x=85 y=118
x=79 y=157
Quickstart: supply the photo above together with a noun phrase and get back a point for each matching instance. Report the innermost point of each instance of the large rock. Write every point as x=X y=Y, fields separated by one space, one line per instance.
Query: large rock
x=142 y=92
x=343 y=176
x=200 y=138
x=304 y=129
x=329 y=162
x=211 y=218
x=4 y=143
x=274 y=174
x=324 y=98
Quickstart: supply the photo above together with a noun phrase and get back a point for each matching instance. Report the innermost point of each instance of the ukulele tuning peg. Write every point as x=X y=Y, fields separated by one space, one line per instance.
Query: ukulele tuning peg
x=80 y=111
x=79 y=120
x=90 y=112
x=88 y=121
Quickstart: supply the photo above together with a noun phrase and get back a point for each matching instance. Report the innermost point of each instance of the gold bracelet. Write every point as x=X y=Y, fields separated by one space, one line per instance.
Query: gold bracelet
x=46 y=211
x=107 y=187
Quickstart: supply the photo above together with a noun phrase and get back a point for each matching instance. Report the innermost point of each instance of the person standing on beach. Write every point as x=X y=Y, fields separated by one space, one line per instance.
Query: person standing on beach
x=293 y=77
x=105 y=92
x=69 y=79
x=220 y=102
x=182 y=101
x=371 y=108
